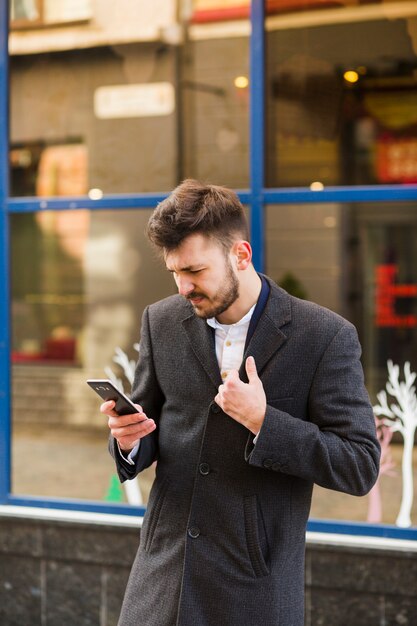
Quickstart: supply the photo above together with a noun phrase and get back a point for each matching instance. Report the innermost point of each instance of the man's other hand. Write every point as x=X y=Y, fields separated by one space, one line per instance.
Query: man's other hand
x=244 y=402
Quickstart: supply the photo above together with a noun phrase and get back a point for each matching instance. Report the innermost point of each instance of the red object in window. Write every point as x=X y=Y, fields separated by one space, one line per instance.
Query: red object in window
x=396 y=159
x=239 y=12
x=60 y=349
x=386 y=294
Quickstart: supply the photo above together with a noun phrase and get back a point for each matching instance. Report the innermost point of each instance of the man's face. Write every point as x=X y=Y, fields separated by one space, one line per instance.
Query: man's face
x=204 y=275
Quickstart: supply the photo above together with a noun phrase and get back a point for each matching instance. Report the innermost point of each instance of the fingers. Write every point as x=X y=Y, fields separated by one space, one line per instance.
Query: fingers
x=129 y=435
x=251 y=370
x=127 y=429
x=123 y=421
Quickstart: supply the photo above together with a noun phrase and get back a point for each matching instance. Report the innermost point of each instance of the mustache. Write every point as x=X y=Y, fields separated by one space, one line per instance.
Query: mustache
x=194 y=294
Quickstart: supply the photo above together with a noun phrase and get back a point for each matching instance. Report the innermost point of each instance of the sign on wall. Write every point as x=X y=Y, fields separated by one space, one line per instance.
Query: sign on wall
x=138 y=100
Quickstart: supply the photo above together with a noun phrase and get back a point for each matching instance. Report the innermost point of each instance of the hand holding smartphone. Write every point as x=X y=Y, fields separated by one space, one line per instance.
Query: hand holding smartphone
x=123 y=429
x=107 y=391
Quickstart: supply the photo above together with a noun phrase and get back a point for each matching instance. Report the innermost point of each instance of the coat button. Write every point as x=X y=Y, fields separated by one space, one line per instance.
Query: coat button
x=267 y=463
x=193 y=532
x=204 y=469
x=215 y=408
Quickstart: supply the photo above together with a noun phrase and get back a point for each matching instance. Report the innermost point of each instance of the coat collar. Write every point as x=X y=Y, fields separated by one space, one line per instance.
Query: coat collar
x=267 y=338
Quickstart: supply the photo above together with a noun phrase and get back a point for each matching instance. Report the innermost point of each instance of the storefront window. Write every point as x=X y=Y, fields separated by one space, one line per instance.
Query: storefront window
x=110 y=101
x=76 y=306
x=360 y=261
x=342 y=94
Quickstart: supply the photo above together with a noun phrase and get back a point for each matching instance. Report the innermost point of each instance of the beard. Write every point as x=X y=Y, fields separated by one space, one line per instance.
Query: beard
x=226 y=295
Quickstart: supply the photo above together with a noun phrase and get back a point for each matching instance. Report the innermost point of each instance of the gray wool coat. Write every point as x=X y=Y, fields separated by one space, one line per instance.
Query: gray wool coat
x=223 y=539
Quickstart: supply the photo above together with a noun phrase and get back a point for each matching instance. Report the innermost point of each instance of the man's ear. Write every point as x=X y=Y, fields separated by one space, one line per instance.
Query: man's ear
x=243 y=252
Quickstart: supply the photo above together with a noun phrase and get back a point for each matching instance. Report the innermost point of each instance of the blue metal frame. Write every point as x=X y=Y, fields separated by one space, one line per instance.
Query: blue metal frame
x=381 y=193
x=257 y=131
x=256 y=197
x=109 y=201
x=5 y=436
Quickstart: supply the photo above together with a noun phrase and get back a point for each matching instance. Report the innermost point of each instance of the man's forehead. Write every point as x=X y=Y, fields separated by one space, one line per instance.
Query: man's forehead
x=192 y=252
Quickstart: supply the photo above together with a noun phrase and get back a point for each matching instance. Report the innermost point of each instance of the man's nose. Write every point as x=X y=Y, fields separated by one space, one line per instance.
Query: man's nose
x=185 y=286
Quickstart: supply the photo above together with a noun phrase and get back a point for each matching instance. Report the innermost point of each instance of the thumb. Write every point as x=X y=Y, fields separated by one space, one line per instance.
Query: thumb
x=251 y=370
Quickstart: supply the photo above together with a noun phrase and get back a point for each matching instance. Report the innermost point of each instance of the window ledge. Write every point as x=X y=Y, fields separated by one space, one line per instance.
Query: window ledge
x=357 y=541
x=82 y=517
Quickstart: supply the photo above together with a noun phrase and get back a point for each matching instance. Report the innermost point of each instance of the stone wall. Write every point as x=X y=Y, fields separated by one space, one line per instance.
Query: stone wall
x=73 y=573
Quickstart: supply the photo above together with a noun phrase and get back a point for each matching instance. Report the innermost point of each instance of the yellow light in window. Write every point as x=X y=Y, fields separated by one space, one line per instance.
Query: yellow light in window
x=316 y=186
x=241 y=82
x=95 y=194
x=351 y=76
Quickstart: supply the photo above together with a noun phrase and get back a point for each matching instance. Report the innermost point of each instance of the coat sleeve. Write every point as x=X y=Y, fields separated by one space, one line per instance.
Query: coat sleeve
x=147 y=393
x=336 y=447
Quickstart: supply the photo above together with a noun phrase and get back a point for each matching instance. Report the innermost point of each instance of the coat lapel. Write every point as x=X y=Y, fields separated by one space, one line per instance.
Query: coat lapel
x=200 y=337
x=268 y=337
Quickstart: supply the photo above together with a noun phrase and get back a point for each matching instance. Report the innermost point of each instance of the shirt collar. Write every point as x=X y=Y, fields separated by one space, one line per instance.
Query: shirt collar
x=211 y=321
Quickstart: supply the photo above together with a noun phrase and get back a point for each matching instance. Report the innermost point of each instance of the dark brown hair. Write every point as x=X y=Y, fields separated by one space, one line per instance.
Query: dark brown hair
x=197 y=208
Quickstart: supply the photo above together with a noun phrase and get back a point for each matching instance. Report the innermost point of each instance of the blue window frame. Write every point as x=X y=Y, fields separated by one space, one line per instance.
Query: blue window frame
x=256 y=197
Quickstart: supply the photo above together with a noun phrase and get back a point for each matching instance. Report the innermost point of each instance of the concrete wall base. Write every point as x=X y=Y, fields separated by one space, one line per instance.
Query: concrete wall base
x=73 y=572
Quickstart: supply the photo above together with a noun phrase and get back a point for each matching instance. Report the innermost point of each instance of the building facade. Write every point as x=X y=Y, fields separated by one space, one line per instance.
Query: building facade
x=306 y=108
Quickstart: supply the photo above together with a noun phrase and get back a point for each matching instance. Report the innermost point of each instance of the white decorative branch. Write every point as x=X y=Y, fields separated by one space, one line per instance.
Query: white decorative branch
x=401 y=416
x=132 y=487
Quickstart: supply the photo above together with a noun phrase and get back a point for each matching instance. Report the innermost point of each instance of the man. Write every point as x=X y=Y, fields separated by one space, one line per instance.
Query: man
x=248 y=396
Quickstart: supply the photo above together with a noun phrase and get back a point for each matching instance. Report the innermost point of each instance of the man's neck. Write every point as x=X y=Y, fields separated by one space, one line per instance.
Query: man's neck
x=249 y=290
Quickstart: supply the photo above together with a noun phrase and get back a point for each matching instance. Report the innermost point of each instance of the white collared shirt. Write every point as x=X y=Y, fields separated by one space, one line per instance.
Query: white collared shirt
x=230 y=342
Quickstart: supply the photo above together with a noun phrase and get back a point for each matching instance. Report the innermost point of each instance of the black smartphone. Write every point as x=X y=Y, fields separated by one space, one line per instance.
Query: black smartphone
x=107 y=391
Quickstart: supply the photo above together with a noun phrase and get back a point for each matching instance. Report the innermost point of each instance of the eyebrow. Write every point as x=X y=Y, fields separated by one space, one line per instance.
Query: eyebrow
x=188 y=268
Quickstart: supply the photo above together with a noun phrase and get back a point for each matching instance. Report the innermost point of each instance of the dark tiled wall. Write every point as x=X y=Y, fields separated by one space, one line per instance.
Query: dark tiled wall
x=62 y=574
x=360 y=587
x=74 y=574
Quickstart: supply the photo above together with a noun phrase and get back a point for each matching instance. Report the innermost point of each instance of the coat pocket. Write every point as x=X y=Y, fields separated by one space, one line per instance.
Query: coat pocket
x=154 y=512
x=256 y=538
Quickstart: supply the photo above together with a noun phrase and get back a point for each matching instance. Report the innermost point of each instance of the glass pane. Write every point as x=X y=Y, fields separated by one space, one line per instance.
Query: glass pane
x=80 y=281
x=360 y=261
x=129 y=100
x=342 y=94
x=389 y=286
x=216 y=102
x=101 y=118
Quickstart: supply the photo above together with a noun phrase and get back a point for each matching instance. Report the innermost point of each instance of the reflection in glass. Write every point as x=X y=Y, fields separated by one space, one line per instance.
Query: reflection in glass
x=215 y=110
x=80 y=282
x=137 y=117
x=304 y=251
x=342 y=95
x=360 y=261
x=389 y=287
x=71 y=142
